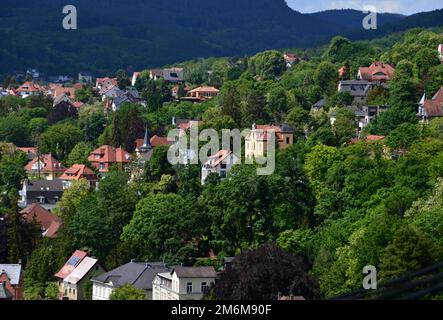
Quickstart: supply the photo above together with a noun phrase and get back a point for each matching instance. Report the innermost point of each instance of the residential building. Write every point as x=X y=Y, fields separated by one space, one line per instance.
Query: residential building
x=74 y=275
x=106 y=156
x=219 y=163
x=138 y=274
x=47 y=193
x=175 y=91
x=376 y=72
x=105 y=83
x=320 y=104
x=134 y=78
x=203 y=93
x=173 y=75
x=431 y=108
x=358 y=89
x=183 y=283
x=110 y=92
x=31 y=152
x=3 y=239
x=85 y=77
x=49 y=222
x=45 y=166
x=291 y=59
x=256 y=143
x=130 y=96
x=34 y=73
x=77 y=172
x=11 y=282
x=29 y=88
x=440 y=52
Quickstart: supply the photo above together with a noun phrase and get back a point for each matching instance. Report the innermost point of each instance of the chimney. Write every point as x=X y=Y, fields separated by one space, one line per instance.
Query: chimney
x=132 y=260
x=173 y=121
x=20 y=261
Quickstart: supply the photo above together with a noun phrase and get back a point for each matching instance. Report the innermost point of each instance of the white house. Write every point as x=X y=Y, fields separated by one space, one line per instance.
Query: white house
x=183 y=283
x=440 y=52
x=220 y=163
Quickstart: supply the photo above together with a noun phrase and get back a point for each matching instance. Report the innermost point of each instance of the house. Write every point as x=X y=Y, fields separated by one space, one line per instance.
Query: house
x=73 y=276
x=440 y=52
x=138 y=274
x=173 y=75
x=320 y=104
x=219 y=163
x=342 y=72
x=155 y=74
x=105 y=83
x=106 y=156
x=431 y=108
x=185 y=124
x=49 y=222
x=183 y=283
x=370 y=113
x=130 y=96
x=110 y=92
x=29 y=88
x=77 y=172
x=203 y=93
x=290 y=59
x=155 y=141
x=11 y=282
x=67 y=91
x=45 y=166
x=256 y=142
x=31 y=152
x=47 y=193
x=376 y=72
x=134 y=78
x=359 y=89
x=85 y=77
x=3 y=239
x=34 y=73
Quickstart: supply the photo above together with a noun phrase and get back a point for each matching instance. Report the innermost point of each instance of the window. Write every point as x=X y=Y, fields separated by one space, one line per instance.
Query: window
x=223 y=165
x=222 y=174
x=102 y=166
x=204 y=286
x=287 y=140
x=189 y=287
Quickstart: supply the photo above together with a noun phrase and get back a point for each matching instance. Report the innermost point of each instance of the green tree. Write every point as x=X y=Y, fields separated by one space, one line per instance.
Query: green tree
x=60 y=139
x=127 y=126
x=79 y=154
x=122 y=79
x=231 y=104
x=345 y=125
x=267 y=65
x=326 y=77
x=403 y=136
x=127 y=292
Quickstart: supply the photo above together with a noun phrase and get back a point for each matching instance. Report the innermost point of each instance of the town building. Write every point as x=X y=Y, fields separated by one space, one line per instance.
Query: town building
x=358 y=89
x=48 y=222
x=183 y=283
x=76 y=272
x=291 y=59
x=256 y=143
x=440 y=52
x=11 y=281
x=31 y=152
x=203 y=93
x=29 y=88
x=431 y=108
x=47 y=193
x=138 y=274
x=105 y=83
x=376 y=72
x=77 y=172
x=85 y=77
x=219 y=163
x=45 y=167
x=106 y=156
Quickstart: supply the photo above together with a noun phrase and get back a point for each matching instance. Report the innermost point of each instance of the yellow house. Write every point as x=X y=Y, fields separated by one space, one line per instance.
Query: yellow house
x=256 y=143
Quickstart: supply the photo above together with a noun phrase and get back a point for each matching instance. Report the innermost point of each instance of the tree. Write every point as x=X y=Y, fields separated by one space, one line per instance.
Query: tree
x=267 y=65
x=92 y=121
x=326 y=77
x=13 y=129
x=276 y=104
x=345 y=125
x=60 y=139
x=122 y=79
x=127 y=126
x=158 y=165
x=79 y=154
x=127 y=292
x=231 y=104
x=337 y=48
x=409 y=251
x=403 y=136
x=253 y=109
x=299 y=119
x=62 y=111
x=265 y=273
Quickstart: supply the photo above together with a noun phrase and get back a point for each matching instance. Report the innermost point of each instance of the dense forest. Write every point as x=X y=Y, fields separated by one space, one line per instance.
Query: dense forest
x=137 y=34
x=337 y=205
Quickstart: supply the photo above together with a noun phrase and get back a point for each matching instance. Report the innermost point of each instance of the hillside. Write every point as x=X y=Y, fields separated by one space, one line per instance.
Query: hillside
x=136 y=34
x=352 y=19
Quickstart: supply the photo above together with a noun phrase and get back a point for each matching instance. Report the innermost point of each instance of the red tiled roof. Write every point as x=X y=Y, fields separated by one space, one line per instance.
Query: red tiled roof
x=378 y=71
x=205 y=89
x=77 y=104
x=434 y=107
x=77 y=172
x=59 y=91
x=29 y=86
x=266 y=130
x=71 y=264
x=32 y=150
x=109 y=154
x=38 y=214
x=155 y=141
x=217 y=158
x=187 y=125
x=50 y=164
x=374 y=138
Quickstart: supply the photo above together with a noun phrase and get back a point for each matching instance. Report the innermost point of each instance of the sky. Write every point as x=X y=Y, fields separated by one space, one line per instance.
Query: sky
x=395 y=6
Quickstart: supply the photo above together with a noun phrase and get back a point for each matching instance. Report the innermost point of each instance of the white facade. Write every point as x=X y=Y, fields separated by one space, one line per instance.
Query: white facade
x=440 y=51
x=101 y=291
x=170 y=287
x=220 y=163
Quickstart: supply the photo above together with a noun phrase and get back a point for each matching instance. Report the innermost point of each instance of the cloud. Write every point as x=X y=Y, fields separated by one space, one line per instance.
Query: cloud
x=395 y=6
